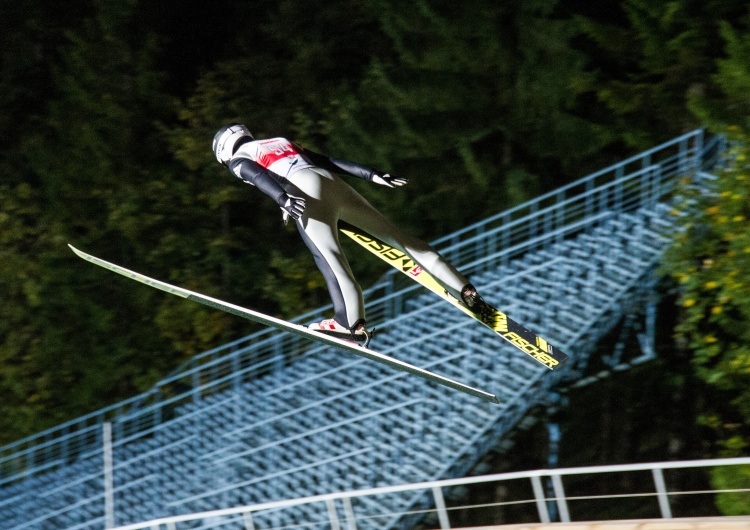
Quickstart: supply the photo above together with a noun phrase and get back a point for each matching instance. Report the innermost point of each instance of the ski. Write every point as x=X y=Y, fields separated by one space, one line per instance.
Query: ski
x=527 y=341
x=288 y=326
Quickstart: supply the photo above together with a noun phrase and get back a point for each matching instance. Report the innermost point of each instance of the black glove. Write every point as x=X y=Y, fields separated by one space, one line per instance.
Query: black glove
x=292 y=207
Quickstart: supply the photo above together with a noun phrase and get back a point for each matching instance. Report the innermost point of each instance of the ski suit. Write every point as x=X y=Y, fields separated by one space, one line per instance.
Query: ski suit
x=277 y=166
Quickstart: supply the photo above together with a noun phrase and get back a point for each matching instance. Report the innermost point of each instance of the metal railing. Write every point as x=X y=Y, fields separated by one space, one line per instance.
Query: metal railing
x=626 y=186
x=650 y=490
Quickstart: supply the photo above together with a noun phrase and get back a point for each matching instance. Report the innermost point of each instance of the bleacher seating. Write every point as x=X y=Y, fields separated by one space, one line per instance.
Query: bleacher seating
x=330 y=421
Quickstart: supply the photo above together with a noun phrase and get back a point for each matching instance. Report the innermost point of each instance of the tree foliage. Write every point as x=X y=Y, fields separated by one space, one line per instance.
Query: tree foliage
x=71 y=341
x=711 y=255
x=477 y=106
x=710 y=260
x=652 y=58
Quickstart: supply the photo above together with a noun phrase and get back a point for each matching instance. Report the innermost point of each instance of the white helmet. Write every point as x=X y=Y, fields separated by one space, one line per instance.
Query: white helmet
x=225 y=141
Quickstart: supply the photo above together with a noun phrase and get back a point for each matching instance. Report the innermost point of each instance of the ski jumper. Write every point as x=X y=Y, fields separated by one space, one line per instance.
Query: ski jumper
x=277 y=166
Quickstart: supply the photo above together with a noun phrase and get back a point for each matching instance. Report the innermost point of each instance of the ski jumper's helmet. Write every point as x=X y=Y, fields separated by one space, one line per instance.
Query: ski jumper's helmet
x=227 y=140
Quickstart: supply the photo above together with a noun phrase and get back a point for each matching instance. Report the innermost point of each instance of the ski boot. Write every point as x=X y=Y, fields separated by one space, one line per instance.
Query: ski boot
x=474 y=302
x=358 y=333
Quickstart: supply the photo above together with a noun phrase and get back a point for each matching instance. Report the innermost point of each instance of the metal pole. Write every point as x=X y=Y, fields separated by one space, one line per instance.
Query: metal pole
x=445 y=523
x=541 y=501
x=247 y=518
x=553 y=431
x=351 y=521
x=109 y=496
x=698 y=151
x=332 y=516
x=562 y=505
x=661 y=493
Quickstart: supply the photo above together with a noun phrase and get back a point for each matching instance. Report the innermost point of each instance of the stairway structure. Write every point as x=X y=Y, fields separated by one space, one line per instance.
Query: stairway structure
x=272 y=416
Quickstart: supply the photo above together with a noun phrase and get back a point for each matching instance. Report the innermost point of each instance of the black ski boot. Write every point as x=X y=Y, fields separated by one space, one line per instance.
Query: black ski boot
x=473 y=301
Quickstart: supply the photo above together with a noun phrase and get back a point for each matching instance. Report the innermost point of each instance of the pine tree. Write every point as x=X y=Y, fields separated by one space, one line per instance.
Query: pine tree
x=476 y=105
x=70 y=340
x=650 y=59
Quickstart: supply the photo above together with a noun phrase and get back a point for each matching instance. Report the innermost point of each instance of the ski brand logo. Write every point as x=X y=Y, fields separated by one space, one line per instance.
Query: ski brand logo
x=525 y=346
x=416 y=271
x=387 y=251
x=497 y=321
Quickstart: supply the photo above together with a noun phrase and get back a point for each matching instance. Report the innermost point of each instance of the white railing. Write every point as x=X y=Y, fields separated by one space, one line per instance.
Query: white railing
x=550 y=500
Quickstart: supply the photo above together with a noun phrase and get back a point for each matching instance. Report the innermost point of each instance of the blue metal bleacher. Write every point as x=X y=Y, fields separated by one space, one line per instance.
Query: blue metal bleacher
x=272 y=416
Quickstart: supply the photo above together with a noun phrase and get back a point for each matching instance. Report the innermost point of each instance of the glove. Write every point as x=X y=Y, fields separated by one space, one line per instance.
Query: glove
x=293 y=207
x=387 y=180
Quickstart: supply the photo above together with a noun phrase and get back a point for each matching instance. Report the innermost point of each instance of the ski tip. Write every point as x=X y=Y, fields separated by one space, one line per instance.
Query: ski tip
x=81 y=254
x=74 y=249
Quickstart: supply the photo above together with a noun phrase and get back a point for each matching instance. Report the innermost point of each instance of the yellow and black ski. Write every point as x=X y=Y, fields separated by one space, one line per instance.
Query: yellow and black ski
x=520 y=337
